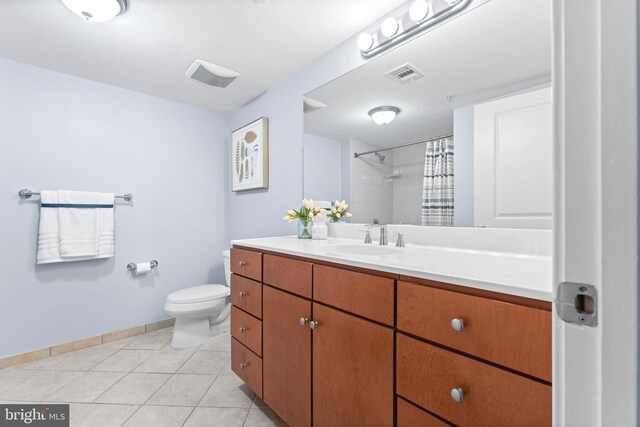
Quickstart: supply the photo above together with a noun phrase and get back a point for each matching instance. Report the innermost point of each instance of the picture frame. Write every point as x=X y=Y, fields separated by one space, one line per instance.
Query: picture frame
x=250 y=156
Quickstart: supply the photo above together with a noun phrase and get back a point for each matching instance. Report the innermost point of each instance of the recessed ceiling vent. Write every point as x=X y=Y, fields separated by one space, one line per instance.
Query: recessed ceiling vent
x=211 y=74
x=404 y=74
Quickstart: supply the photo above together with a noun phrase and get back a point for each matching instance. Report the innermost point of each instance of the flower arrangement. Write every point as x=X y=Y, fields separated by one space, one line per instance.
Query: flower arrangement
x=339 y=211
x=305 y=215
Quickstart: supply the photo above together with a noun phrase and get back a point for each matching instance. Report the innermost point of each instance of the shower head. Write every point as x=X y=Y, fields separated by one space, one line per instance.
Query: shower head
x=380 y=157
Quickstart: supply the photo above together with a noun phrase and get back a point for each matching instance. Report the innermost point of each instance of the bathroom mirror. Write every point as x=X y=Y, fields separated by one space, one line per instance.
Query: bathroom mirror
x=477 y=91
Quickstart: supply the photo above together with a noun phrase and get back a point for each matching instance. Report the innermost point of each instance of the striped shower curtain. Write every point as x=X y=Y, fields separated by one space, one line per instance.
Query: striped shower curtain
x=437 y=190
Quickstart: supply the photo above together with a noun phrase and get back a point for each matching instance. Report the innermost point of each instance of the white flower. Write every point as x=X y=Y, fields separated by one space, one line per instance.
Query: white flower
x=307 y=203
x=349 y=215
x=337 y=215
x=319 y=214
x=333 y=210
x=291 y=212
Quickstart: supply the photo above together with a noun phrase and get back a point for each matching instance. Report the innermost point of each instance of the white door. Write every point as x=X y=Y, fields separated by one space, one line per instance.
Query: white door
x=513 y=165
x=595 y=228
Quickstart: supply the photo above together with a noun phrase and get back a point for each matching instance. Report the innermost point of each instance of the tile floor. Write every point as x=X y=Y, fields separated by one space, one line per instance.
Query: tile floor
x=141 y=381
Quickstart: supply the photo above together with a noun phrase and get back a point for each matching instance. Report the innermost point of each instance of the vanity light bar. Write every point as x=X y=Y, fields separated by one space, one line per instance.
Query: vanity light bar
x=371 y=44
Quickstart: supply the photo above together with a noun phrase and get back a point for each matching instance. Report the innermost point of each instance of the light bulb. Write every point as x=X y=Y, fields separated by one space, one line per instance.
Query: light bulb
x=384 y=115
x=420 y=10
x=96 y=10
x=365 y=41
x=389 y=27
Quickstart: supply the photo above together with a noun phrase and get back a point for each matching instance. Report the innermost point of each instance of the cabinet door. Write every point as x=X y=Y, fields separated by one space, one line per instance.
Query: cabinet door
x=352 y=371
x=286 y=356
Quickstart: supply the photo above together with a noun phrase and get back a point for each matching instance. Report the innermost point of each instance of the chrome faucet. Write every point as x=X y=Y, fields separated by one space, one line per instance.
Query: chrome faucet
x=383 y=236
x=400 y=241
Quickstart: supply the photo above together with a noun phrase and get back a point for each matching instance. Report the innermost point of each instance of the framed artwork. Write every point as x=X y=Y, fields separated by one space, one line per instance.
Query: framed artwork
x=250 y=156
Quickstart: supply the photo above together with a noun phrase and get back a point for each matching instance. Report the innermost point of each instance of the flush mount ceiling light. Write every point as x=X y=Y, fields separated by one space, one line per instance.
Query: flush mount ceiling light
x=97 y=10
x=384 y=115
x=422 y=15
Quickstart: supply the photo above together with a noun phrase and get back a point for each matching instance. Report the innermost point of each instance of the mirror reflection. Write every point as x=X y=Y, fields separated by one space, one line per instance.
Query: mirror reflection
x=450 y=129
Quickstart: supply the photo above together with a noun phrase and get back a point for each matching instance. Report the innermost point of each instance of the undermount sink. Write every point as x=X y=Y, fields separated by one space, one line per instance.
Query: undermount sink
x=351 y=249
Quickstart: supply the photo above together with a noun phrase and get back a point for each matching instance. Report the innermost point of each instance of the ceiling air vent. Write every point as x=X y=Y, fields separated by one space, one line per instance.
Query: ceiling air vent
x=211 y=74
x=404 y=74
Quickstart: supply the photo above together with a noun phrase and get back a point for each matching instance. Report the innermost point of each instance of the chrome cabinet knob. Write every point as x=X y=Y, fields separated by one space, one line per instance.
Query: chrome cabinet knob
x=243 y=329
x=314 y=324
x=457 y=394
x=242 y=263
x=457 y=325
x=243 y=365
x=243 y=294
x=303 y=321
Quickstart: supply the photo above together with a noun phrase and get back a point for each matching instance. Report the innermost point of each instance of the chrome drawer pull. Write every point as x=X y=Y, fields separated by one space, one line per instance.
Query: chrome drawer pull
x=243 y=329
x=243 y=365
x=457 y=394
x=243 y=294
x=314 y=325
x=303 y=321
x=457 y=325
x=242 y=263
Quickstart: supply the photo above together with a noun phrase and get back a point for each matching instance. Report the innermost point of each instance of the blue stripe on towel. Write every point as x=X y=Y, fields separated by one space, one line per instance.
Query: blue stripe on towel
x=79 y=206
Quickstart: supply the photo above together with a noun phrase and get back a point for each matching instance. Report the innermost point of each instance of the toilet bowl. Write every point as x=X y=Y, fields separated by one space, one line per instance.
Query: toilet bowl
x=200 y=311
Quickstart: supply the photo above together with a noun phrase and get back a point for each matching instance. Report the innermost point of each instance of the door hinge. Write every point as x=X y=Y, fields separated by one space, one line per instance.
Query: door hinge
x=577 y=303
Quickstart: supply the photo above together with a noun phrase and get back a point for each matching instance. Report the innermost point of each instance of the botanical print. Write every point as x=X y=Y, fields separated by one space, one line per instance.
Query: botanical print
x=250 y=156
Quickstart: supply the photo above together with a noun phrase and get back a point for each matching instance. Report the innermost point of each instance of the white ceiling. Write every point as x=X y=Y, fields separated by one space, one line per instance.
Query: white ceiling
x=500 y=47
x=149 y=48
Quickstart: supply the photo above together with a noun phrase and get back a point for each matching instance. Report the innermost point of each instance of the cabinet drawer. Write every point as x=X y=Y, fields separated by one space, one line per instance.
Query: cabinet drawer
x=246 y=294
x=246 y=263
x=412 y=416
x=247 y=366
x=493 y=397
x=363 y=294
x=246 y=329
x=288 y=274
x=511 y=335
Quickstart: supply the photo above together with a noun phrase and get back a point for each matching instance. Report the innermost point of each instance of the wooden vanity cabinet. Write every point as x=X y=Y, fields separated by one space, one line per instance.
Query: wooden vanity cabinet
x=327 y=345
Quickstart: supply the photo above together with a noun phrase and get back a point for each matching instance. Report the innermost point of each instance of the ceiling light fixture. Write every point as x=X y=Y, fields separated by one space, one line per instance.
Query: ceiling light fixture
x=384 y=115
x=420 y=10
x=97 y=10
x=422 y=14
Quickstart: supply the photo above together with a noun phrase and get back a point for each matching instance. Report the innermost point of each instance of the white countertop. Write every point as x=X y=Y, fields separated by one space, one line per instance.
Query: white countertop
x=522 y=275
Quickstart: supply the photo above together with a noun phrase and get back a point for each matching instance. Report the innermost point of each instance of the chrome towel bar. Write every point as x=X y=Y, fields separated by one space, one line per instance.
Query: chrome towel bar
x=26 y=194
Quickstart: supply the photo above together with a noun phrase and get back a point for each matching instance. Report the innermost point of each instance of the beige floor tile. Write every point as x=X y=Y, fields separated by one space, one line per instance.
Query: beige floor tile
x=124 y=360
x=135 y=388
x=159 y=416
x=205 y=362
x=227 y=369
x=182 y=390
x=10 y=378
x=263 y=417
x=86 y=387
x=207 y=417
x=165 y=361
x=151 y=341
x=228 y=391
x=100 y=415
x=82 y=360
x=118 y=344
x=222 y=343
x=39 y=386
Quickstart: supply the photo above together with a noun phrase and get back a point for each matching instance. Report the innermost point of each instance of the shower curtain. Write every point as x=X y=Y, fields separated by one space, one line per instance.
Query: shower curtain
x=437 y=190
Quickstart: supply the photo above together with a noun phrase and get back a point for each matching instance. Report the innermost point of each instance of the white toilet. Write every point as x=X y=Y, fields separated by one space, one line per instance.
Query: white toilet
x=200 y=311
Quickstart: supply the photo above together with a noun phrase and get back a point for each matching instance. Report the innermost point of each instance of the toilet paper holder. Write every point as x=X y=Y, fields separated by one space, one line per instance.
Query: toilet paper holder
x=132 y=266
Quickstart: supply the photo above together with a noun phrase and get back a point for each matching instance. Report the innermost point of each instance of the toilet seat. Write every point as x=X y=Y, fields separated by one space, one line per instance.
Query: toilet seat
x=198 y=294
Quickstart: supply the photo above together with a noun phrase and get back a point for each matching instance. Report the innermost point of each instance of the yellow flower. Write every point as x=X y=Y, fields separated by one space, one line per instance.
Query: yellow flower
x=319 y=214
x=333 y=210
x=337 y=215
x=349 y=215
x=291 y=212
x=307 y=203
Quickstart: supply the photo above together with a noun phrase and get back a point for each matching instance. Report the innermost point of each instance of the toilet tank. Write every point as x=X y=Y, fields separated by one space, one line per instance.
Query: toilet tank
x=227 y=266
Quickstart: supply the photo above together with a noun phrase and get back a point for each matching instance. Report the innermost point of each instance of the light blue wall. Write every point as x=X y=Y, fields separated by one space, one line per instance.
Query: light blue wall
x=322 y=168
x=463 y=167
x=63 y=132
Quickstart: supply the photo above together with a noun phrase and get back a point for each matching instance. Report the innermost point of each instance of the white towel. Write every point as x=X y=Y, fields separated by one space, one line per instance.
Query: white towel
x=74 y=234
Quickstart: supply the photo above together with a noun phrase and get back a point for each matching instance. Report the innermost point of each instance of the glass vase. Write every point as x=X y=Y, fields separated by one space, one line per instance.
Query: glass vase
x=304 y=229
